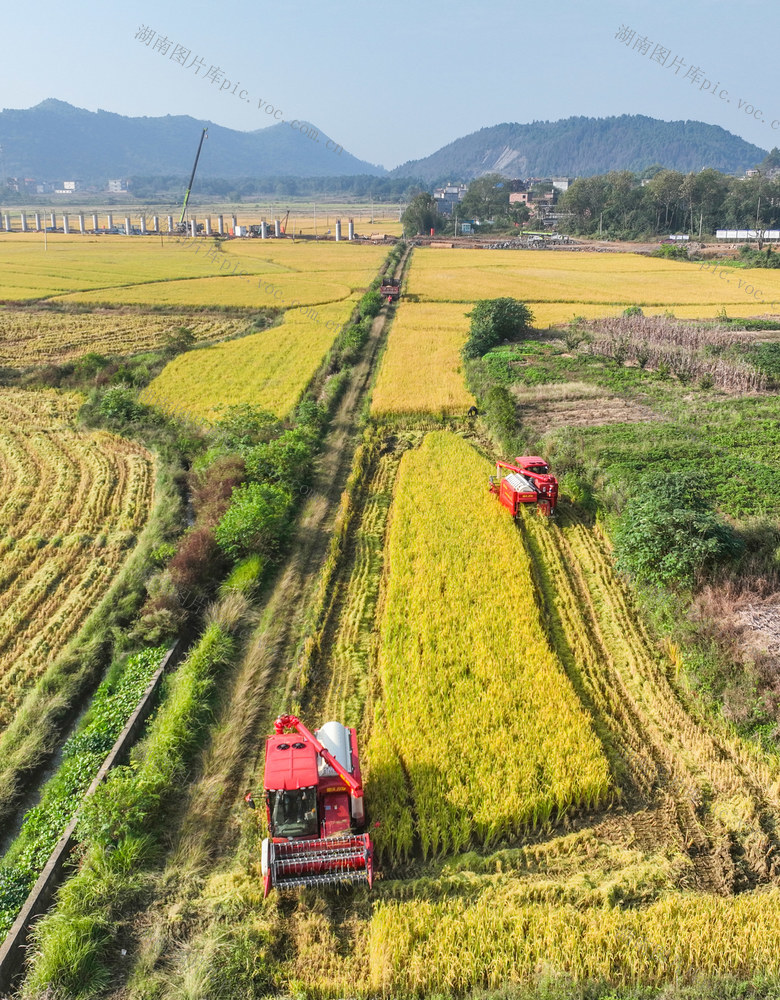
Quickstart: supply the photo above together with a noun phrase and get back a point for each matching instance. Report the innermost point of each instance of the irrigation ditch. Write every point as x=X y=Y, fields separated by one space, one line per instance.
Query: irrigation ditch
x=12 y=951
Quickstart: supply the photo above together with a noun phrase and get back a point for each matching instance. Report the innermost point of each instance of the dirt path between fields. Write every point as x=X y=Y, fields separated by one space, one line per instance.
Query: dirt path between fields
x=209 y=823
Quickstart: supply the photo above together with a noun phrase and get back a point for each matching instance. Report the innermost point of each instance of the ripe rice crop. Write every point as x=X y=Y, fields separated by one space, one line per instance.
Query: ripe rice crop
x=77 y=263
x=42 y=336
x=147 y=270
x=241 y=291
x=572 y=277
x=420 y=948
x=421 y=368
x=269 y=369
x=73 y=504
x=476 y=707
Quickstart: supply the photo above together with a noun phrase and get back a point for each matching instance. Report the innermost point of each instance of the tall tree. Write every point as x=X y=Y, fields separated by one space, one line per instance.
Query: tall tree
x=421 y=215
x=665 y=190
x=487 y=198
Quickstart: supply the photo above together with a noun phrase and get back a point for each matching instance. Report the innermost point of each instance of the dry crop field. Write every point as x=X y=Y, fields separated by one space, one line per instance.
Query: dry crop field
x=30 y=337
x=72 y=507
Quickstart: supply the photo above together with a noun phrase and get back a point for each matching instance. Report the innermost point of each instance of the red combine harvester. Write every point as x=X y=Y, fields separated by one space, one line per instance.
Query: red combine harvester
x=314 y=800
x=390 y=289
x=529 y=481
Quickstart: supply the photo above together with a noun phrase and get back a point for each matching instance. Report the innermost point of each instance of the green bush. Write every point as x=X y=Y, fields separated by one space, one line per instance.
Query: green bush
x=370 y=304
x=287 y=460
x=499 y=412
x=669 y=533
x=120 y=405
x=244 y=425
x=493 y=321
x=255 y=522
x=245 y=576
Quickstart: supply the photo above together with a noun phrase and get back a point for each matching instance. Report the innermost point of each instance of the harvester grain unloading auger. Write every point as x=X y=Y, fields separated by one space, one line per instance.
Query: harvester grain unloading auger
x=529 y=481
x=314 y=802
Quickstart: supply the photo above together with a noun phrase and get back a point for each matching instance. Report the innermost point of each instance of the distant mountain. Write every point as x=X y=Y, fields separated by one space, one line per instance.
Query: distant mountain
x=56 y=141
x=579 y=147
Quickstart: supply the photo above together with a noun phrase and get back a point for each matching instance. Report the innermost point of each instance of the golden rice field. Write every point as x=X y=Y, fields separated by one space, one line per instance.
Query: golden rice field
x=475 y=707
x=571 y=278
x=423 y=947
x=163 y=271
x=44 y=336
x=269 y=369
x=72 y=506
x=421 y=367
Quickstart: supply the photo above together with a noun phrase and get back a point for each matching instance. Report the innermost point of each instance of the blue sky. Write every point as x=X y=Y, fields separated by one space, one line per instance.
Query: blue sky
x=394 y=81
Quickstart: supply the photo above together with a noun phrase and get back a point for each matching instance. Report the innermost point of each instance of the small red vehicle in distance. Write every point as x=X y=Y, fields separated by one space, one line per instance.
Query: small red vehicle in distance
x=528 y=481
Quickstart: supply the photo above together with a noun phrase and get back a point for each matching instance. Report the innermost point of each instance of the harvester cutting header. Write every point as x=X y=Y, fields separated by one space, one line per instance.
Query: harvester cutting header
x=314 y=800
x=529 y=481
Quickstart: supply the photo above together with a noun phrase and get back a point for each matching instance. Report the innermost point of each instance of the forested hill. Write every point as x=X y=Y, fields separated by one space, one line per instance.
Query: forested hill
x=55 y=140
x=580 y=147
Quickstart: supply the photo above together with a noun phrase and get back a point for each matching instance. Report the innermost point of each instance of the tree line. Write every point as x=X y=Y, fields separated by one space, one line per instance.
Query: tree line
x=622 y=204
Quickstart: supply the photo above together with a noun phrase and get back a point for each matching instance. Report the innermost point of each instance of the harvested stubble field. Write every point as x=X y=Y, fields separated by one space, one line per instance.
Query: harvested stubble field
x=33 y=336
x=73 y=505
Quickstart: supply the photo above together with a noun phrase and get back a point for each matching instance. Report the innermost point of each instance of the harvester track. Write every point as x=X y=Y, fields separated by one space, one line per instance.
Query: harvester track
x=721 y=800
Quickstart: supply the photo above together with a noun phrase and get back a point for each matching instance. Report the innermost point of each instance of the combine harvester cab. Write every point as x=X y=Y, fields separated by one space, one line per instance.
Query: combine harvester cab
x=314 y=803
x=528 y=481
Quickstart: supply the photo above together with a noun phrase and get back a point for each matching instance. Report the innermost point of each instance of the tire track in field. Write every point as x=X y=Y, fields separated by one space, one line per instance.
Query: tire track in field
x=355 y=607
x=720 y=798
